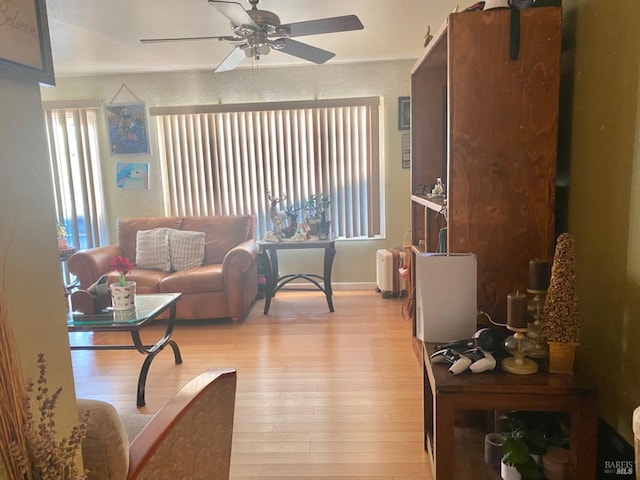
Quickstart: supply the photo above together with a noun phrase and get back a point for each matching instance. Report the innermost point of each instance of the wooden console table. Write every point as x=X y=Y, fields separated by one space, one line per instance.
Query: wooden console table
x=274 y=282
x=445 y=395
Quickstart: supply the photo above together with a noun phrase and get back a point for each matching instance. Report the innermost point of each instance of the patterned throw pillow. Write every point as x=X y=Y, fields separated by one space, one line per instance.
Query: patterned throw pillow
x=186 y=249
x=152 y=249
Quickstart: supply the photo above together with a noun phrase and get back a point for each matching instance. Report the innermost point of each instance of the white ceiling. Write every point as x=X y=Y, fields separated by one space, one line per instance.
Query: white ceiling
x=102 y=36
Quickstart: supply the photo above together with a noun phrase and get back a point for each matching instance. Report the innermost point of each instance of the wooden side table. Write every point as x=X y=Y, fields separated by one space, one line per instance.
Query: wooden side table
x=274 y=282
x=65 y=253
x=445 y=395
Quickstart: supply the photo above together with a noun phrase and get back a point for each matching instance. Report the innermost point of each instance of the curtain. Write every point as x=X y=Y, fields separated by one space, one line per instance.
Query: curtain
x=75 y=168
x=225 y=160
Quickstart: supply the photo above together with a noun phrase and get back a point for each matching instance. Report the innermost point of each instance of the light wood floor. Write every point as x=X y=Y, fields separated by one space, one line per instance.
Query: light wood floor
x=320 y=395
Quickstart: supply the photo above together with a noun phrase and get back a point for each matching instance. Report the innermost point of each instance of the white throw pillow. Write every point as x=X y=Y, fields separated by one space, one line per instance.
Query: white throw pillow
x=187 y=249
x=152 y=249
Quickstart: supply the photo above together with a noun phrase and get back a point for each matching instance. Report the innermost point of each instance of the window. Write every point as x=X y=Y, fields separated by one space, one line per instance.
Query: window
x=227 y=159
x=75 y=168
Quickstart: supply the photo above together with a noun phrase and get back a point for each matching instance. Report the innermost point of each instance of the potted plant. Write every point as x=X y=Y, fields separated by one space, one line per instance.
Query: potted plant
x=317 y=208
x=525 y=444
x=518 y=452
x=122 y=293
x=62 y=236
x=560 y=326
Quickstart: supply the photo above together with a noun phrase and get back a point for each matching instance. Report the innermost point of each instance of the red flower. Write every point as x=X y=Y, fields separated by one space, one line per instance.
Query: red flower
x=123 y=265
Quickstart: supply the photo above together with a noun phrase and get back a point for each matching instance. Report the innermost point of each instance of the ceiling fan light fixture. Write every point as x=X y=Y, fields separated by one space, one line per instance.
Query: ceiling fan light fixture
x=257 y=39
x=243 y=30
x=257 y=31
x=277 y=44
x=281 y=31
x=255 y=51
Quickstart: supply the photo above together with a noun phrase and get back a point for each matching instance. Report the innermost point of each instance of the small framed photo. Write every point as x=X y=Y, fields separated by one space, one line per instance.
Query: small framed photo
x=406 y=150
x=132 y=176
x=127 y=124
x=404 y=113
x=25 y=48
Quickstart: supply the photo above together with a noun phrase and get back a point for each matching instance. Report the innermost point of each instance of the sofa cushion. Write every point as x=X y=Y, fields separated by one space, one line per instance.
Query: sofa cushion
x=186 y=249
x=152 y=249
x=208 y=278
x=129 y=227
x=105 y=449
x=222 y=233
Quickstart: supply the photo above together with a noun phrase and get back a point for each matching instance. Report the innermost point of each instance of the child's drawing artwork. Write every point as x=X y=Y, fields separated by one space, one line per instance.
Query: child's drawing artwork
x=132 y=175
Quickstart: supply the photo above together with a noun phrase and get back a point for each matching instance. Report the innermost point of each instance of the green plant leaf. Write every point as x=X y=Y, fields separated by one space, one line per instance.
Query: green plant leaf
x=515 y=451
x=529 y=470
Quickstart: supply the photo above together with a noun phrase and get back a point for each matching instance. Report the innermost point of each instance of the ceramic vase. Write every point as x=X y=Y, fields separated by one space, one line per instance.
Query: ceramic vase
x=123 y=297
x=493 y=449
x=556 y=463
x=509 y=472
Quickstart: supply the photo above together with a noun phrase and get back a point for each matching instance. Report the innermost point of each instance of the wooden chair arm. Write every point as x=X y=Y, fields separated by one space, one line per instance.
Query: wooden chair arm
x=190 y=436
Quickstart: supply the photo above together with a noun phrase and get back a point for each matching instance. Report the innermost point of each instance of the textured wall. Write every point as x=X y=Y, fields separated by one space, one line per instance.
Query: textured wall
x=32 y=283
x=356 y=259
x=601 y=111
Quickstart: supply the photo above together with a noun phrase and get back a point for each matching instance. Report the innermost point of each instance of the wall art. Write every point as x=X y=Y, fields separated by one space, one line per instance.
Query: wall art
x=25 y=48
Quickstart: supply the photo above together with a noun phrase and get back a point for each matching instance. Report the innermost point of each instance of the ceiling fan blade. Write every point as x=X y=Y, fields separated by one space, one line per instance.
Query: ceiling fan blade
x=181 y=39
x=235 y=12
x=304 y=51
x=231 y=61
x=324 y=25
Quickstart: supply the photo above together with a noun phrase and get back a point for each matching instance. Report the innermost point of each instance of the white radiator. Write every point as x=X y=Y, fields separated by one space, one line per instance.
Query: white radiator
x=388 y=278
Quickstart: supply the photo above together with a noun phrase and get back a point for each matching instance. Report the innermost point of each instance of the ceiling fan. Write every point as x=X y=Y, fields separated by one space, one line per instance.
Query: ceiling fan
x=256 y=32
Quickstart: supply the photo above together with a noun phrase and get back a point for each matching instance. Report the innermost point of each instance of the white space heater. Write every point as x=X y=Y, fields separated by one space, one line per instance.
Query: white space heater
x=388 y=278
x=446 y=296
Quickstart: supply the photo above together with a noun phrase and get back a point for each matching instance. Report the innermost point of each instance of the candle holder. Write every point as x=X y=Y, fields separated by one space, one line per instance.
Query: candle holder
x=519 y=346
x=535 y=307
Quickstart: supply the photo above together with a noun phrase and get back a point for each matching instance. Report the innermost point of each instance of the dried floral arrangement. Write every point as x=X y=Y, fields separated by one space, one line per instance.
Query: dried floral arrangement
x=560 y=314
x=47 y=457
x=29 y=444
x=13 y=413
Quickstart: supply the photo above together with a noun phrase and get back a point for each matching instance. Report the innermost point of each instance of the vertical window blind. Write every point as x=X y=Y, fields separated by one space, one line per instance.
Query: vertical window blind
x=227 y=160
x=72 y=136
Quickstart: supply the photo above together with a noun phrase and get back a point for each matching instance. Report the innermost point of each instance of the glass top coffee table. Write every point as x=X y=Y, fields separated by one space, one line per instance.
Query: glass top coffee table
x=148 y=307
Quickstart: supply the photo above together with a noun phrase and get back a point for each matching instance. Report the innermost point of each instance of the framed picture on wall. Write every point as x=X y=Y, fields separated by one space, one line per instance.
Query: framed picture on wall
x=132 y=176
x=25 y=49
x=406 y=150
x=127 y=124
x=404 y=113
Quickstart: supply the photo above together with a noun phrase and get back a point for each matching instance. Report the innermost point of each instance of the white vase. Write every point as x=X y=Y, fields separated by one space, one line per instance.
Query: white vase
x=493 y=449
x=123 y=297
x=509 y=472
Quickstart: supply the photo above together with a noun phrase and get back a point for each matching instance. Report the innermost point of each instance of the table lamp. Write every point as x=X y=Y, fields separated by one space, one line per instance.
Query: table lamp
x=518 y=345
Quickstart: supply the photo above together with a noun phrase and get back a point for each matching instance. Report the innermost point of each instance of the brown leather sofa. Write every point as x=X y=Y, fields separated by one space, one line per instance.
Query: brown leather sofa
x=225 y=285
